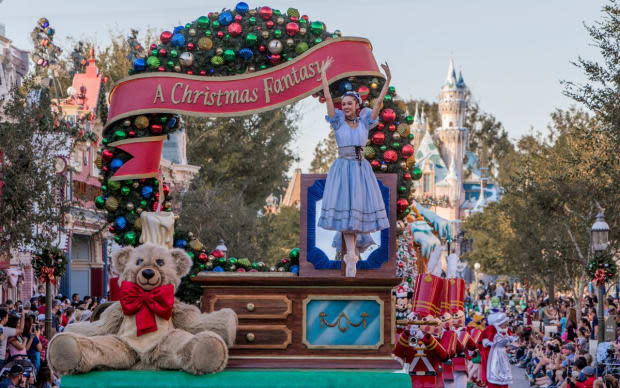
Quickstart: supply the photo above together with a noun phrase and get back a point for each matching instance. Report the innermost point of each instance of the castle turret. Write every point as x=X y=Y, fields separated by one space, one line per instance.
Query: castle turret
x=452 y=102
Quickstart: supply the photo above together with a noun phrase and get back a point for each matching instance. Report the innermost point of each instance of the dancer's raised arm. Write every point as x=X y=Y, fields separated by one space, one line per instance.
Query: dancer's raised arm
x=328 y=97
x=388 y=75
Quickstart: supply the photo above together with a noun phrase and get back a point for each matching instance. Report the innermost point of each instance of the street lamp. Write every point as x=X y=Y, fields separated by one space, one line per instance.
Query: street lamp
x=222 y=248
x=476 y=268
x=598 y=241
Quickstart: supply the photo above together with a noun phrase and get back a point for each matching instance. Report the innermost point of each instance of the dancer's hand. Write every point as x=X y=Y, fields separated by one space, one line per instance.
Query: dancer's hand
x=326 y=64
x=386 y=70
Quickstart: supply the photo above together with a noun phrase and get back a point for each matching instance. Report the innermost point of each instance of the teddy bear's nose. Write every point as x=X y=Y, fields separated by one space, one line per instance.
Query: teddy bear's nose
x=148 y=273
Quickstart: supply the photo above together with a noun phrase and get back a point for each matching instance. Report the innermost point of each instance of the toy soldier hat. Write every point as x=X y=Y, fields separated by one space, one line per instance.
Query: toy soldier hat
x=456 y=291
x=444 y=306
x=426 y=295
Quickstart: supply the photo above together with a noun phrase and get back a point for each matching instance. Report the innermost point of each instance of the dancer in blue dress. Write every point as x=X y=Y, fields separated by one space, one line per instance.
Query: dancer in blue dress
x=352 y=202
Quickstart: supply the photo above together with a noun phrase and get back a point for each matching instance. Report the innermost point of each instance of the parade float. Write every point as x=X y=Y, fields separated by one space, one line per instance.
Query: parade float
x=301 y=323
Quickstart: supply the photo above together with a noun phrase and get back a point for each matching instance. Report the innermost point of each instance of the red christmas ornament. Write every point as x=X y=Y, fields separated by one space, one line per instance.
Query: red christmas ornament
x=234 y=29
x=131 y=133
x=380 y=126
x=390 y=156
x=402 y=204
x=166 y=188
x=363 y=92
x=406 y=151
x=275 y=59
x=322 y=99
x=217 y=254
x=305 y=17
x=270 y=24
x=407 y=176
x=156 y=196
x=156 y=129
x=107 y=155
x=203 y=256
x=191 y=46
x=391 y=127
x=161 y=68
x=261 y=48
x=105 y=169
x=111 y=228
x=220 y=34
x=155 y=206
x=292 y=29
x=163 y=52
x=165 y=37
x=378 y=138
x=294 y=19
x=203 y=72
x=153 y=46
x=265 y=13
x=189 y=72
x=241 y=269
x=375 y=164
x=388 y=115
x=238 y=18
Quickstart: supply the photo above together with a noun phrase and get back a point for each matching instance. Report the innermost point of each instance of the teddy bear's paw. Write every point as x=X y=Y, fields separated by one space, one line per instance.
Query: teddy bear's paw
x=64 y=354
x=209 y=354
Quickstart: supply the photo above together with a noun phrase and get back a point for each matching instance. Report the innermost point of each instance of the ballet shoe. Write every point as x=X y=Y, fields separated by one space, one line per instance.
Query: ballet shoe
x=351 y=268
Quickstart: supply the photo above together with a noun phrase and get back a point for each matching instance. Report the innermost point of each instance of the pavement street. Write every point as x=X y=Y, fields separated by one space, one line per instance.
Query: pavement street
x=518 y=378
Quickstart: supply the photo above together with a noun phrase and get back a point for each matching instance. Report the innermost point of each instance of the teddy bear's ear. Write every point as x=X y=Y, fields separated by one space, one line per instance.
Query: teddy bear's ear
x=182 y=261
x=120 y=259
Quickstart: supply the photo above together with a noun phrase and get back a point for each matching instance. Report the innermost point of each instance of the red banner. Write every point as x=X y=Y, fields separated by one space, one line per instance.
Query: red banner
x=243 y=94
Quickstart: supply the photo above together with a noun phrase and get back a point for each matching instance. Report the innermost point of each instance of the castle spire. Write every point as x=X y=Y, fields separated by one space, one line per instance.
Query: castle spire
x=451 y=76
x=460 y=83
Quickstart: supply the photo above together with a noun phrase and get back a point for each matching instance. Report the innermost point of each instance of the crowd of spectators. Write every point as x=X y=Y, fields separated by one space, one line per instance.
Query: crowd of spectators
x=23 y=343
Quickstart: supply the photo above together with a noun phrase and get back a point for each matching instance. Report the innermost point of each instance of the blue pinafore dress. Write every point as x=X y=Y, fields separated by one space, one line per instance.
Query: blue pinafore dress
x=352 y=201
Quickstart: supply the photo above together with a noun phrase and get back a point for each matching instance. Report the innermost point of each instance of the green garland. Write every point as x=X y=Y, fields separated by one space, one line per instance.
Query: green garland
x=49 y=264
x=602 y=267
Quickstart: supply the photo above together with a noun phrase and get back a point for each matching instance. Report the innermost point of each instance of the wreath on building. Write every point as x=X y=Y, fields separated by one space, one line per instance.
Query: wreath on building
x=49 y=264
x=602 y=268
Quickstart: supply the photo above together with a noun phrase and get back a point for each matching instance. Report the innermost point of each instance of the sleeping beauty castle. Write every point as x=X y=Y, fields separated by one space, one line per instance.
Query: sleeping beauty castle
x=454 y=182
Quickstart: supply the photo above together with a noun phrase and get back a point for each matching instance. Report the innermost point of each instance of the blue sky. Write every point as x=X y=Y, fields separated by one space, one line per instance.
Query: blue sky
x=513 y=54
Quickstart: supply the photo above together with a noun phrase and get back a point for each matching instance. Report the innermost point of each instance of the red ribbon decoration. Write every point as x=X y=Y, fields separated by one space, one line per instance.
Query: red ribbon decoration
x=168 y=92
x=47 y=273
x=145 y=304
x=600 y=276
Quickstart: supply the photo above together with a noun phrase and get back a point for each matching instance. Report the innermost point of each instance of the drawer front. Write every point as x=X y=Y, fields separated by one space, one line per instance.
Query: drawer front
x=262 y=337
x=254 y=307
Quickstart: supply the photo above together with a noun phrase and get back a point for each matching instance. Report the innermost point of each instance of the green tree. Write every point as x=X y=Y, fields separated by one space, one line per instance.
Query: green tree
x=325 y=153
x=278 y=233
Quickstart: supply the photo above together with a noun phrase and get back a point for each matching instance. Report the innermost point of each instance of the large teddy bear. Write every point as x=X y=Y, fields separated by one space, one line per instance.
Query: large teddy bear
x=148 y=329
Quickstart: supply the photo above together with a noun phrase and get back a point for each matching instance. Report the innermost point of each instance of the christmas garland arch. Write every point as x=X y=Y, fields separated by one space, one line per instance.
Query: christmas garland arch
x=229 y=43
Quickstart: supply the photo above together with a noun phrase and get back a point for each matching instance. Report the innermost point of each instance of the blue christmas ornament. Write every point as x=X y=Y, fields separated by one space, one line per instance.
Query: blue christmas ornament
x=177 y=29
x=295 y=269
x=345 y=86
x=139 y=64
x=242 y=8
x=218 y=269
x=246 y=53
x=120 y=223
x=115 y=164
x=147 y=191
x=180 y=243
x=225 y=18
x=178 y=40
x=172 y=121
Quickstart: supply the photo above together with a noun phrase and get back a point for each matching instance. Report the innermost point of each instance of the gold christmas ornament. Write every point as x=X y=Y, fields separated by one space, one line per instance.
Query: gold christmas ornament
x=129 y=206
x=196 y=245
x=205 y=43
x=141 y=122
x=265 y=34
x=111 y=204
x=138 y=223
x=280 y=20
x=219 y=51
x=126 y=123
x=192 y=32
x=290 y=42
x=403 y=165
x=177 y=68
x=275 y=46
x=403 y=129
x=252 y=12
x=139 y=210
x=99 y=162
x=369 y=152
x=396 y=136
x=302 y=31
x=251 y=69
x=374 y=85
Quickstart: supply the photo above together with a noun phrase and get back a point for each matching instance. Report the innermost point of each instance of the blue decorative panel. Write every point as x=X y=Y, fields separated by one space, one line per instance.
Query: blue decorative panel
x=343 y=322
x=317 y=256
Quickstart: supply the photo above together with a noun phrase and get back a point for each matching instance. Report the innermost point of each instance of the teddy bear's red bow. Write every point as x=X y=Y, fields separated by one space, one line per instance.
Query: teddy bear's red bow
x=135 y=300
